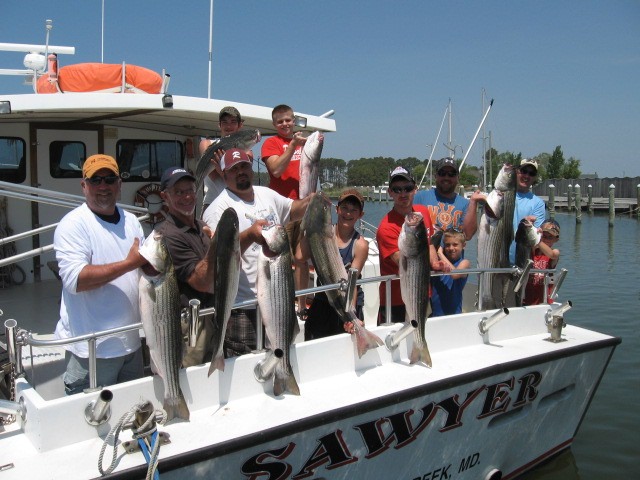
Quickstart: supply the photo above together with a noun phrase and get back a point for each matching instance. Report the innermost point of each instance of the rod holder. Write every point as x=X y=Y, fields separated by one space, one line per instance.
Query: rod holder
x=394 y=338
x=558 y=283
x=352 y=278
x=524 y=276
x=99 y=411
x=263 y=370
x=195 y=322
x=14 y=346
x=555 y=322
x=486 y=323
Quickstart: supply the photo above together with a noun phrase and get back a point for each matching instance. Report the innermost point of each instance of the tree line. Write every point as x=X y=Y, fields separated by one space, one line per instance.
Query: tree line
x=375 y=171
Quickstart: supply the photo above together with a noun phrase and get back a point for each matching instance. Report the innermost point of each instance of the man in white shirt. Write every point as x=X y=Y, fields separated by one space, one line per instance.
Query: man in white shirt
x=256 y=206
x=96 y=246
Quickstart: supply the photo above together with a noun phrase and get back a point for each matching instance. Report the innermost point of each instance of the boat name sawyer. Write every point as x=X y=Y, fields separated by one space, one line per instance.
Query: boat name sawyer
x=333 y=451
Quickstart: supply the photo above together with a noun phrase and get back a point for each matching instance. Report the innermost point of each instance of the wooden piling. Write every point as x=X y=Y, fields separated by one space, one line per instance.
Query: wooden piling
x=552 y=200
x=612 y=205
x=638 y=200
x=569 y=197
x=578 y=196
x=590 y=199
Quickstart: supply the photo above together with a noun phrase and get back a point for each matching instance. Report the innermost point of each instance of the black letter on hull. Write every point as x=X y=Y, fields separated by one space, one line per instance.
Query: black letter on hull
x=455 y=410
x=528 y=391
x=401 y=430
x=332 y=449
x=254 y=468
x=497 y=400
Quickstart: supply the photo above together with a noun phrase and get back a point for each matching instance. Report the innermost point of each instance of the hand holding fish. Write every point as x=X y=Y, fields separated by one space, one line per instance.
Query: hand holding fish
x=298 y=139
x=349 y=327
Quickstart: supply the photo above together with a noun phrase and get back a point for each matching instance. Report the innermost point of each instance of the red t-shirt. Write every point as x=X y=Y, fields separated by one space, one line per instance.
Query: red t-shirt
x=288 y=184
x=387 y=238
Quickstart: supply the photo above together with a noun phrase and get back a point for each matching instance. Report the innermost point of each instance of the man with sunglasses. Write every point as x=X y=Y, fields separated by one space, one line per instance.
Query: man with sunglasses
x=446 y=208
x=96 y=246
x=528 y=205
x=402 y=188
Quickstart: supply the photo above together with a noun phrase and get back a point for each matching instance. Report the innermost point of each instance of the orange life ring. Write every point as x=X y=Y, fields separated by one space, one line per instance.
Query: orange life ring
x=149 y=198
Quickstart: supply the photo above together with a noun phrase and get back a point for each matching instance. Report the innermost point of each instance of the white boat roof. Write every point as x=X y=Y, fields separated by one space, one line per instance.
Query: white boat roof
x=188 y=116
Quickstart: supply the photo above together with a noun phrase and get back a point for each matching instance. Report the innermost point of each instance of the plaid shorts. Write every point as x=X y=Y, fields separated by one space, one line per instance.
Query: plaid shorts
x=240 y=337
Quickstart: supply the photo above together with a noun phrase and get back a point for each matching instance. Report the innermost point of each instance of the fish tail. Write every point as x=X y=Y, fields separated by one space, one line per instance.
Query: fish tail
x=217 y=363
x=176 y=408
x=365 y=340
x=284 y=381
x=420 y=353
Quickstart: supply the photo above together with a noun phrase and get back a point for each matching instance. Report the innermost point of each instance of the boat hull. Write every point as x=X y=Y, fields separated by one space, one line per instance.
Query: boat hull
x=503 y=401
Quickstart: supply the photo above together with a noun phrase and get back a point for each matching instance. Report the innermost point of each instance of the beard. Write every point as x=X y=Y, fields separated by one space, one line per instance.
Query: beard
x=244 y=184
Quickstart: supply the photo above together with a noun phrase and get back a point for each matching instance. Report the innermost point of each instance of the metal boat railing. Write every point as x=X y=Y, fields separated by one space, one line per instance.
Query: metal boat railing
x=50 y=197
x=17 y=338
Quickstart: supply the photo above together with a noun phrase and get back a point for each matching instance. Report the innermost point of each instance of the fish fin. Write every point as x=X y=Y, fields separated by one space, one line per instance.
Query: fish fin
x=284 y=382
x=217 y=363
x=365 y=340
x=176 y=408
x=420 y=354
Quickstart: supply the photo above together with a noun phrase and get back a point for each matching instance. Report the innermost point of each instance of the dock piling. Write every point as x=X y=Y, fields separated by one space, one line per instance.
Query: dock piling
x=578 y=197
x=612 y=204
x=552 y=201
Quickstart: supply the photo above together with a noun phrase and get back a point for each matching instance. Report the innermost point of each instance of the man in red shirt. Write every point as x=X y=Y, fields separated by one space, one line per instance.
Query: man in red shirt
x=402 y=188
x=281 y=154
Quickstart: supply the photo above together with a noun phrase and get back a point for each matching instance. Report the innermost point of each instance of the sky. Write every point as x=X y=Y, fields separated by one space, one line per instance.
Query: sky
x=560 y=72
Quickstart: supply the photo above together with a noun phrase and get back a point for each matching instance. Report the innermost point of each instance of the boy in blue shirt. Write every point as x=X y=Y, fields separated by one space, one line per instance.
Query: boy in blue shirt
x=446 y=295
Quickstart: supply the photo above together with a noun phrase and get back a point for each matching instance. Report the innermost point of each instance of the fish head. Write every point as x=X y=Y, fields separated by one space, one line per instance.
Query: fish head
x=318 y=214
x=527 y=234
x=246 y=139
x=506 y=178
x=413 y=236
x=276 y=240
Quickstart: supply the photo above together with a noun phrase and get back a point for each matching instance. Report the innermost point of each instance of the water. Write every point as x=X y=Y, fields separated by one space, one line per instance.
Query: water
x=604 y=285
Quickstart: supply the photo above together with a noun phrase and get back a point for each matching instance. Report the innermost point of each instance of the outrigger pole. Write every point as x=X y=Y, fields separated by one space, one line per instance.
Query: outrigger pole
x=476 y=136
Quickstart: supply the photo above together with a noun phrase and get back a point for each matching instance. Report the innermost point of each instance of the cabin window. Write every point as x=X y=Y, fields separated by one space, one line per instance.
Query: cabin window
x=146 y=160
x=66 y=159
x=13 y=162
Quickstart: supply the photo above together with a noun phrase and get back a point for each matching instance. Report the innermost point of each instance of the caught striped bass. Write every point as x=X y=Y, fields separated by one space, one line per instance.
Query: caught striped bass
x=414 y=272
x=276 y=298
x=320 y=234
x=495 y=234
x=226 y=257
x=160 y=313
x=242 y=139
x=310 y=164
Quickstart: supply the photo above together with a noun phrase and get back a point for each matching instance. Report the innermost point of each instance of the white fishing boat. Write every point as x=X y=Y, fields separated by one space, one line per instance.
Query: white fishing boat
x=507 y=390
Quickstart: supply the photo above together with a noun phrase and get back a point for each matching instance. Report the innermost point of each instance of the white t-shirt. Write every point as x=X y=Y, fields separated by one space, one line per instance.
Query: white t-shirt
x=268 y=205
x=81 y=239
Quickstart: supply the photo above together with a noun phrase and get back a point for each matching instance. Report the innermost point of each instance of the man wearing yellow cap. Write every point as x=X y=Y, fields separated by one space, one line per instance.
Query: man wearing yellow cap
x=96 y=246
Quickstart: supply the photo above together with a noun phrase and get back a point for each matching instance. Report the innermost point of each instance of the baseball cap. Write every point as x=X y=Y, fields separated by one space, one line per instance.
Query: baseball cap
x=446 y=162
x=528 y=161
x=97 y=162
x=551 y=226
x=171 y=175
x=400 y=172
x=233 y=111
x=353 y=193
x=232 y=157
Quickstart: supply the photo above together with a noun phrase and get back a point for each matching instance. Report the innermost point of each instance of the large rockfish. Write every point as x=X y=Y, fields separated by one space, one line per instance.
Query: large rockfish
x=225 y=253
x=414 y=264
x=160 y=313
x=320 y=233
x=276 y=298
x=310 y=164
x=242 y=139
x=495 y=235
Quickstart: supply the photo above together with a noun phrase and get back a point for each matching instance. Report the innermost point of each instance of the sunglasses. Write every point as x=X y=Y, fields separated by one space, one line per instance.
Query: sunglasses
x=97 y=180
x=529 y=171
x=405 y=189
x=447 y=174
